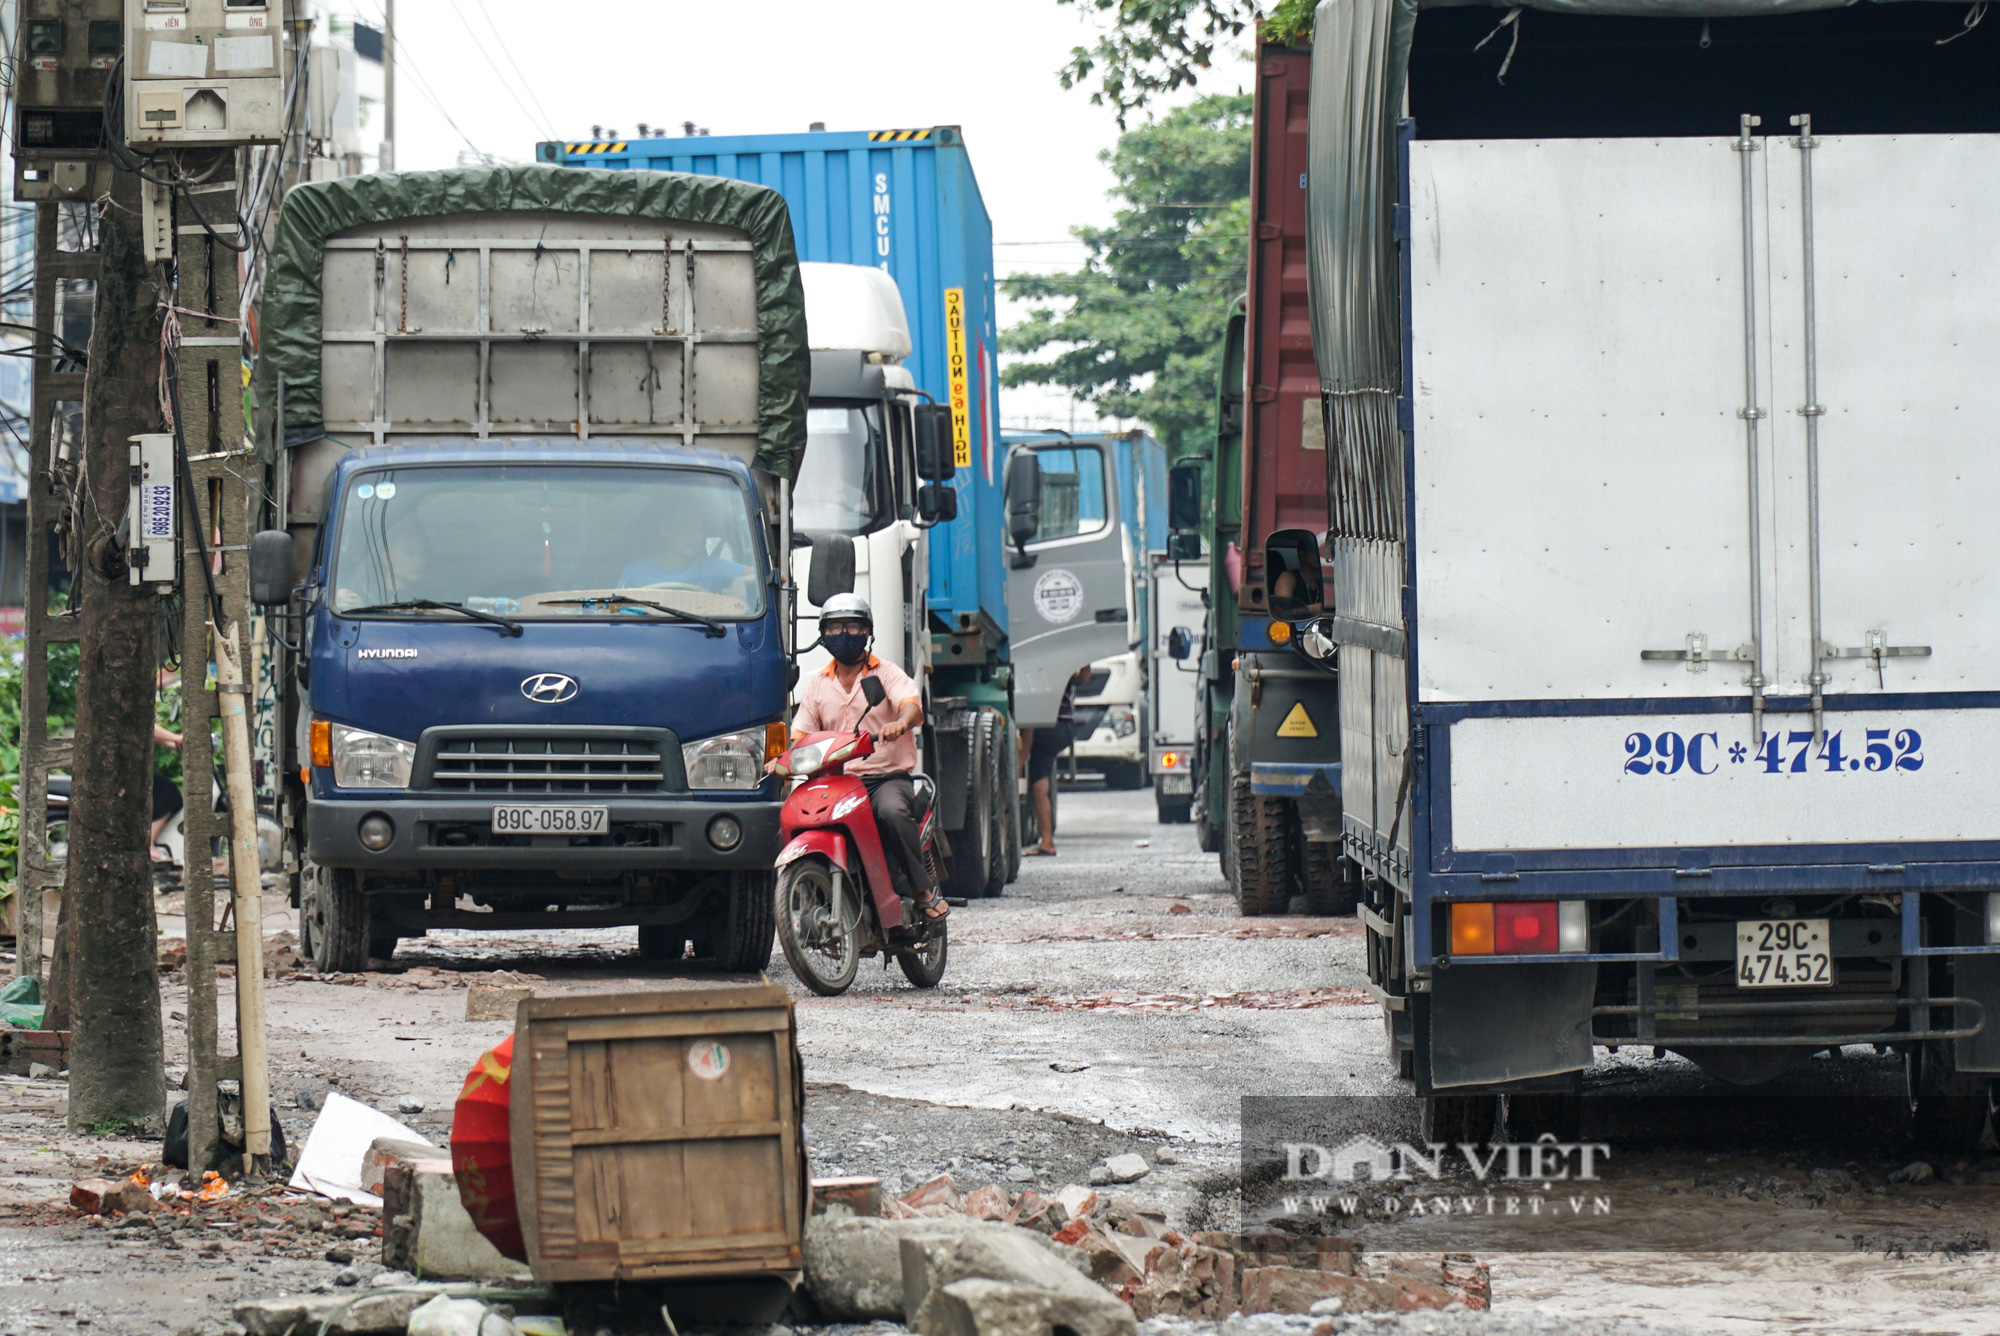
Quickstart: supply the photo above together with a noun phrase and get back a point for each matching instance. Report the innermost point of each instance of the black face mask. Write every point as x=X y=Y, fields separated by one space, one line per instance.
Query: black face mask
x=847 y=647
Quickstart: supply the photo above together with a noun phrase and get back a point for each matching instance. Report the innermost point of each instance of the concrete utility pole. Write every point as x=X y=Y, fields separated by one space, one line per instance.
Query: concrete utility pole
x=117 y=1055
x=388 y=85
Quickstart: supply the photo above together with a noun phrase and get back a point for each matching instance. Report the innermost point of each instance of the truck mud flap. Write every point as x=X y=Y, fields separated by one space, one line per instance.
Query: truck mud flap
x=1978 y=978
x=1488 y=1024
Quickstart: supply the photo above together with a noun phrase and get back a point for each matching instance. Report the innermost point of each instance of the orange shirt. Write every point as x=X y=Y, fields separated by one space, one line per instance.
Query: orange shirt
x=825 y=706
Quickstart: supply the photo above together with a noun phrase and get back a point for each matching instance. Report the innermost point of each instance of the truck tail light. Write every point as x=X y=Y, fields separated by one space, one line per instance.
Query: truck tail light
x=322 y=744
x=775 y=739
x=1169 y=760
x=1525 y=928
x=1472 y=930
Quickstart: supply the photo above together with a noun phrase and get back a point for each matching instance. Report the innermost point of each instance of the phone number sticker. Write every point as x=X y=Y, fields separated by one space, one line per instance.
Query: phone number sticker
x=1792 y=752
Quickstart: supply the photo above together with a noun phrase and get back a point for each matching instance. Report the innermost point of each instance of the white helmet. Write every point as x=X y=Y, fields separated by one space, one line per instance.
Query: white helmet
x=847 y=608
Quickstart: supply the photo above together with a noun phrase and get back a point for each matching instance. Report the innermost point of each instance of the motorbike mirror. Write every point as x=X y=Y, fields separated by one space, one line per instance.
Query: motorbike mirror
x=1291 y=573
x=937 y=503
x=832 y=569
x=1180 y=643
x=271 y=568
x=872 y=692
x=1184 y=498
x=934 y=443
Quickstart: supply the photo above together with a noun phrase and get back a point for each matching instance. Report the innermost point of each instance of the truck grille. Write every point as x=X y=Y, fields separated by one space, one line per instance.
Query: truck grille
x=530 y=765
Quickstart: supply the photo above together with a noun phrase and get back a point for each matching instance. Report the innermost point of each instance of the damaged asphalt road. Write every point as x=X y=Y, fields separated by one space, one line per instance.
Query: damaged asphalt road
x=1112 y=1003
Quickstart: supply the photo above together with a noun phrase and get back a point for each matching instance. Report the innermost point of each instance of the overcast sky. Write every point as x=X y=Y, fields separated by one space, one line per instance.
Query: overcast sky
x=510 y=73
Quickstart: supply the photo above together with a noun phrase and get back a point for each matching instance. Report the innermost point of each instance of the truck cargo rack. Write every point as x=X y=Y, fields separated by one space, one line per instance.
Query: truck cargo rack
x=1684 y=1010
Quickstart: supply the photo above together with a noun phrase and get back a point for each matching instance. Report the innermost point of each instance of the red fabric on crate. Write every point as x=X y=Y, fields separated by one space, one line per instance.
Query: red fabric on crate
x=482 y=1152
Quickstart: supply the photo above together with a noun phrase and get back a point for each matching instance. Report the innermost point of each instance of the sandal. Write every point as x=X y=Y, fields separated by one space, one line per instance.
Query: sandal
x=937 y=902
x=1038 y=852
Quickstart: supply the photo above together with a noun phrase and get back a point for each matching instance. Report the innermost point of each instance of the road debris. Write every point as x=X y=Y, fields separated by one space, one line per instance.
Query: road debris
x=332 y=1159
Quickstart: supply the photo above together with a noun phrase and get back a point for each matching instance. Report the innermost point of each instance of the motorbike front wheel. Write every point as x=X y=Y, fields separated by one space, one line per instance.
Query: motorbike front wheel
x=819 y=926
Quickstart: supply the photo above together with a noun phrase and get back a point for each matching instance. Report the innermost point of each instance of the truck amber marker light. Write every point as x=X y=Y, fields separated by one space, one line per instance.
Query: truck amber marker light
x=322 y=744
x=775 y=737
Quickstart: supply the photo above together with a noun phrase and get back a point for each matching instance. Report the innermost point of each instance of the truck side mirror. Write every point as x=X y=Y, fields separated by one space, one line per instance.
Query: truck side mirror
x=1024 y=503
x=1184 y=498
x=1184 y=546
x=1291 y=573
x=1180 y=643
x=937 y=503
x=271 y=568
x=832 y=569
x=934 y=449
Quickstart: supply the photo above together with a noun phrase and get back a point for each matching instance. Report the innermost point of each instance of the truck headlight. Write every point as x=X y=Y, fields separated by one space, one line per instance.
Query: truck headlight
x=1122 y=720
x=726 y=761
x=363 y=760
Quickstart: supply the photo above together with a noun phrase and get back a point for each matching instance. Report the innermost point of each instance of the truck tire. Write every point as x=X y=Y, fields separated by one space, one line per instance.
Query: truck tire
x=749 y=923
x=1010 y=787
x=1260 y=829
x=993 y=740
x=1332 y=883
x=337 y=916
x=382 y=948
x=971 y=860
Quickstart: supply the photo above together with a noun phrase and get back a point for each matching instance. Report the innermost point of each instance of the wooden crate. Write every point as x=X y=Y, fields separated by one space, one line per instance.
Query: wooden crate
x=656 y=1135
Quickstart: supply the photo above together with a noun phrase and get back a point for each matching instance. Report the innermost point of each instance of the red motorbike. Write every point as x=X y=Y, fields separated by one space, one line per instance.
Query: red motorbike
x=839 y=895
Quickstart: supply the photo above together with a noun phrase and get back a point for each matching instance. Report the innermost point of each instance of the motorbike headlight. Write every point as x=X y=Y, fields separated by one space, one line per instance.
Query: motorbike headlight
x=807 y=758
x=726 y=761
x=363 y=760
x=1122 y=720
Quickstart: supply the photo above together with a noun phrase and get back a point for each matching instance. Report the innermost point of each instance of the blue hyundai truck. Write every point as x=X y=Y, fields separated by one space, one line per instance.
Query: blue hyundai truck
x=538 y=428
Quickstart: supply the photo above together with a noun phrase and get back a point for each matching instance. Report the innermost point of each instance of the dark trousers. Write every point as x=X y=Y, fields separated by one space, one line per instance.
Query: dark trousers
x=894 y=800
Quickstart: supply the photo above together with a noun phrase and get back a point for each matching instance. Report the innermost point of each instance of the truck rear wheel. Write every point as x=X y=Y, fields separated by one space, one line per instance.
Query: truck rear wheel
x=749 y=926
x=1333 y=883
x=1010 y=802
x=993 y=747
x=336 y=916
x=1260 y=831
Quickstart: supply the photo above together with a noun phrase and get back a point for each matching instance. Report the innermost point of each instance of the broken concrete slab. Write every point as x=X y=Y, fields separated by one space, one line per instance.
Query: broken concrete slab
x=371 y=1312
x=425 y=1228
x=1079 y=1201
x=993 y=1252
x=442 y=1315
x=979 y=1307
x=495 y=1002
x=854 y=1264
x=385 y=1151
x=855 y=1196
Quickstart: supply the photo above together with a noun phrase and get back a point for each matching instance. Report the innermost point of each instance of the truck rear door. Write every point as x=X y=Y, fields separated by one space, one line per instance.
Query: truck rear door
x=1739 y=444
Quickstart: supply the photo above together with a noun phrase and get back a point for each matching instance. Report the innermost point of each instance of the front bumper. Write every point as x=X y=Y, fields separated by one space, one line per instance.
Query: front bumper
x=668 y=834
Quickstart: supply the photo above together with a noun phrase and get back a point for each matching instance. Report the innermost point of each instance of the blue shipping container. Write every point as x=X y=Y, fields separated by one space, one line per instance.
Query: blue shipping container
x=905 y=201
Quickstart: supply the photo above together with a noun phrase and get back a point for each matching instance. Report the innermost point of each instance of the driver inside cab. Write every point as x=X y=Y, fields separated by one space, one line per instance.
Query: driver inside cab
x=683 y=558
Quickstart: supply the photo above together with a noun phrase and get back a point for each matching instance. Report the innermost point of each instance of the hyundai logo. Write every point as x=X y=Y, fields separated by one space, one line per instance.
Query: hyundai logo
x=548 y=688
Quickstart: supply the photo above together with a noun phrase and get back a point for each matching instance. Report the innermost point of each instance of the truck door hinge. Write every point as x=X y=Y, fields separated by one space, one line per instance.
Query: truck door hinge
x=1876 y=649
x=1698 y=655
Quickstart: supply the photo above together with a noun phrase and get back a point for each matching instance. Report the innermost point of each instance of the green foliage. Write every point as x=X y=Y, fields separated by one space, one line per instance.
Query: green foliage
x=1152 y=47
x=1290 y=24
x=1137 y=331
x=116 y=1125
x=62 y=716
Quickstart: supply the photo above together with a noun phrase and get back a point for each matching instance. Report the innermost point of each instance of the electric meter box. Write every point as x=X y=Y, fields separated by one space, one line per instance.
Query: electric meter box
x=149 y=511
x=203 y=72
x=64 y=53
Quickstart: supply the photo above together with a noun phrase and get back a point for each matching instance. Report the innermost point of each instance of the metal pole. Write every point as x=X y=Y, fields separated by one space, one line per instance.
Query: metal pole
x=388 y=163
x=1750 y=412
x=1812 y=412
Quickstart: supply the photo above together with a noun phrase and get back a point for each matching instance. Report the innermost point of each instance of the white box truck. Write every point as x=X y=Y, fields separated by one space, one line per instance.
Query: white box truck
x=1659 y=385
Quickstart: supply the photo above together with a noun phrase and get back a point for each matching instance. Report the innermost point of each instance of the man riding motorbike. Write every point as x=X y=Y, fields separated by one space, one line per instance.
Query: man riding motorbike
x=833 y=701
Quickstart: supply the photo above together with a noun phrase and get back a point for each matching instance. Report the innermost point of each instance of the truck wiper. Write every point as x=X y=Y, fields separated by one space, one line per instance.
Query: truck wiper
x=714 y=630
x=511 y=628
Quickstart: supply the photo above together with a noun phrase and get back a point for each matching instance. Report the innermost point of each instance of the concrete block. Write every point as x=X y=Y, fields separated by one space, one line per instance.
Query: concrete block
x=860 y=1196
x=425 y=1228
x=385 y=1151
x=298 y=1313
x=993 y=1252
x=854 y=1264
x=980 y=1307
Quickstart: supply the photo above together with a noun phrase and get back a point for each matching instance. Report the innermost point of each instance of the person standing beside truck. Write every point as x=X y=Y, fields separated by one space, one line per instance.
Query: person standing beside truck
x=833 y=701
x=1045 y=745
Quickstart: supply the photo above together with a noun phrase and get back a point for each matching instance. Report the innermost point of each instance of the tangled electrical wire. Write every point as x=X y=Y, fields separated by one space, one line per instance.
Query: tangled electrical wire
x=125 y=160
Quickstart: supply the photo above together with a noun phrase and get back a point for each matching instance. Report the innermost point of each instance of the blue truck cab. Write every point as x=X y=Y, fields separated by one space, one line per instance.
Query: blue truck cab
x=540 y=429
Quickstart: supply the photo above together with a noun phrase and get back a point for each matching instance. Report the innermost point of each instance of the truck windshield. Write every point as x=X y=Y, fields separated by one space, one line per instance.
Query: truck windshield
x=838 y=490
x=548 y=540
